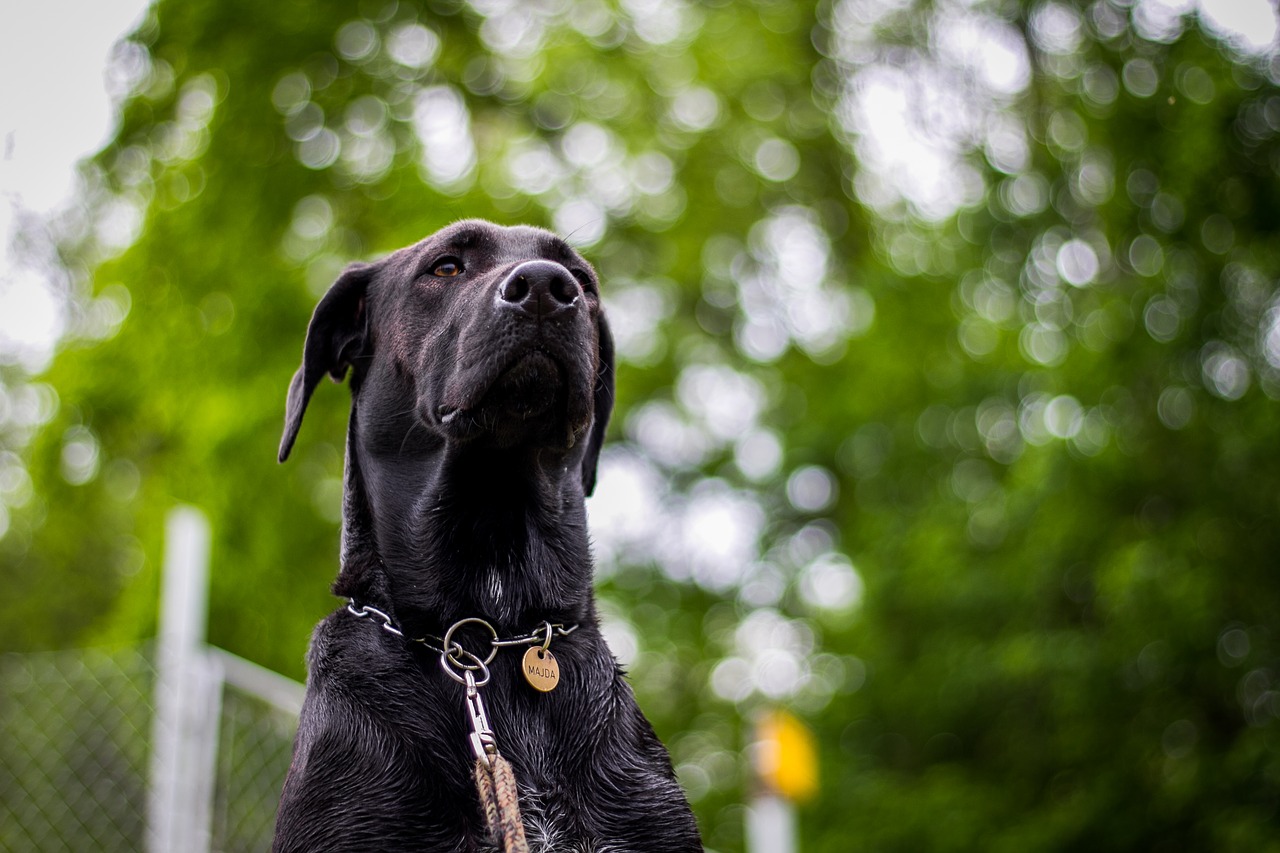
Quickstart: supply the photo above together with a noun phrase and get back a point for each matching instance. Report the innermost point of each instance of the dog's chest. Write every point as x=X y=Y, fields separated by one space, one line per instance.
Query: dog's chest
x=549 y=828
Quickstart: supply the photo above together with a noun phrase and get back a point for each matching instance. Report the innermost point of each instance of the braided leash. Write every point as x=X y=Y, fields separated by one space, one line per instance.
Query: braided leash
x=501 y=803
x=495 y=781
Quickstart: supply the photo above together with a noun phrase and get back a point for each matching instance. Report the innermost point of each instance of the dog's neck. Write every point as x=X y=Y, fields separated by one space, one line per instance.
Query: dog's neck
x=467 y=531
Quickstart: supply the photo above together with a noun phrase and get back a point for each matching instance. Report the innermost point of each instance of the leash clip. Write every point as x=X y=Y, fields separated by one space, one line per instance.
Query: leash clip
x=483 y=743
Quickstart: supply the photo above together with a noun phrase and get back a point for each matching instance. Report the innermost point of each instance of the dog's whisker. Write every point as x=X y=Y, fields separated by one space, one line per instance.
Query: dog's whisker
x=569 y=237
x=407 y=433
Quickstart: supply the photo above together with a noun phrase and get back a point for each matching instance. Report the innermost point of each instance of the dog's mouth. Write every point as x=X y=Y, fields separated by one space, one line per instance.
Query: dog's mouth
x=528 y=388
x=531 y=387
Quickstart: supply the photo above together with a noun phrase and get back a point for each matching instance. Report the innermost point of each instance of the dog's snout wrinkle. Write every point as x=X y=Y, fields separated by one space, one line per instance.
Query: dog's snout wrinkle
x=540 y=289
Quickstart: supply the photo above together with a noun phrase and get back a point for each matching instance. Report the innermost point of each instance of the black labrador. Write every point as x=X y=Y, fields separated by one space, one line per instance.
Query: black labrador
x=481 y=382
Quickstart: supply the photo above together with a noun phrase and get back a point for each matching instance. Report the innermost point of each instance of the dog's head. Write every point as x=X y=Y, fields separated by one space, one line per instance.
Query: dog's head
x=477 y=334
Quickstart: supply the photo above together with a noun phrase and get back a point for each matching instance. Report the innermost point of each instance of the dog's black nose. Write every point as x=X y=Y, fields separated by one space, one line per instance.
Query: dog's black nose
x=540 y=289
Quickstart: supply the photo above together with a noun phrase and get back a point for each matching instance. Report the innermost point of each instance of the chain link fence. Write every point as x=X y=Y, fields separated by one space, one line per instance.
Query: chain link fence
x=255 y=745
x=76 y=749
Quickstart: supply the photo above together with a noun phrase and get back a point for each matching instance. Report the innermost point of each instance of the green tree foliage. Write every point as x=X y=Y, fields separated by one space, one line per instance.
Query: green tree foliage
x=948 y=399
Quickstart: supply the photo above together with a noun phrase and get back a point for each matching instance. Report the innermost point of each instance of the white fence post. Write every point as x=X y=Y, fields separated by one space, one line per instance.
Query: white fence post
x=771 y=825
x=188 y=695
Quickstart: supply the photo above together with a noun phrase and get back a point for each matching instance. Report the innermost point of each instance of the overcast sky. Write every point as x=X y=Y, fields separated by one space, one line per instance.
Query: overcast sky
x=54 y=111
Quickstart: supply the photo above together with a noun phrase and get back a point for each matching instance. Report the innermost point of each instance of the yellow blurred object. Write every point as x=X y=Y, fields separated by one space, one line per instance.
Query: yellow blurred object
x=786 y=756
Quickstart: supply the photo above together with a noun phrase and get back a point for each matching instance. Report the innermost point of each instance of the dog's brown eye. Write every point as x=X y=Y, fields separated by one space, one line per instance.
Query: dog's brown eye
x=447 y=268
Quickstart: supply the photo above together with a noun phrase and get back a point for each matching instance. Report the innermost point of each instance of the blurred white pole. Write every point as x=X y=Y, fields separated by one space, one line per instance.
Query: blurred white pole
x=784 y=756
x=188 y=694
x=771 y=825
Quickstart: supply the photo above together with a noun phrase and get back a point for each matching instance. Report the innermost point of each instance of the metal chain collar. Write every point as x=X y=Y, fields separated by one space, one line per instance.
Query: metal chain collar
x=456 y=654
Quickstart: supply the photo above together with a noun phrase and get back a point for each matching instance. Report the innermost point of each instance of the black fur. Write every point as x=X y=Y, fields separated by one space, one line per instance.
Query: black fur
x=478 y=407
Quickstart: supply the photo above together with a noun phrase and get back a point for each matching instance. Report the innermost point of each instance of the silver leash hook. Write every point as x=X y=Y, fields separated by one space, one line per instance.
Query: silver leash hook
x=483 y=744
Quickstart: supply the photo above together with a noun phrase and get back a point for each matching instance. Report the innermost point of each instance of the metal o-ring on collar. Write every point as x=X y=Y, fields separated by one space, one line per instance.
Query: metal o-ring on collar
x=467 y=676
x=454 y=652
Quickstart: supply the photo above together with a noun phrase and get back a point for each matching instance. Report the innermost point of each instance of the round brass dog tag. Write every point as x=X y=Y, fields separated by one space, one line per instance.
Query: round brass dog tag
x=540 y=669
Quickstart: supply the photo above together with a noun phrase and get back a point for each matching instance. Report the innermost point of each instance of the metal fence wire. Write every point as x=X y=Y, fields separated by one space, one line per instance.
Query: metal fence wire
x=75 y=754
x=255 y=745
x=73 y=750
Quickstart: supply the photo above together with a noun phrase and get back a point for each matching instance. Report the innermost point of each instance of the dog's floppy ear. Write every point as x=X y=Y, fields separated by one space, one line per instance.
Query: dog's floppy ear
x=334 y=337
x=603 y=403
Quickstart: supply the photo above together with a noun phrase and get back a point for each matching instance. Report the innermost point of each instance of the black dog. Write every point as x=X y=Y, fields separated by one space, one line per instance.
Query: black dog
x=481 y=383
